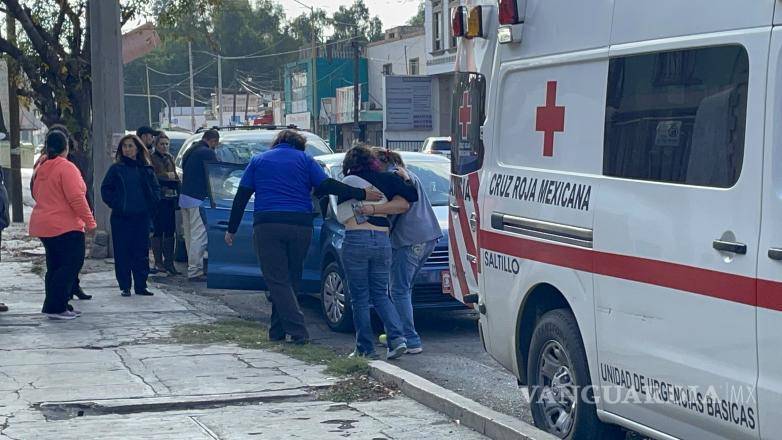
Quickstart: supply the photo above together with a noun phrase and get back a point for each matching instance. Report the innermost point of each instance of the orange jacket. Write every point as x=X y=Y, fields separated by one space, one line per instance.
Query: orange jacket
x=60 y=200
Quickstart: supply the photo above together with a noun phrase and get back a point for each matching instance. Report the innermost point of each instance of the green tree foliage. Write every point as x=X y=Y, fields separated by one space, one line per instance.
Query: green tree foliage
x=53 y=53
x=418 y=18
x=236 y=29
x=356 y=18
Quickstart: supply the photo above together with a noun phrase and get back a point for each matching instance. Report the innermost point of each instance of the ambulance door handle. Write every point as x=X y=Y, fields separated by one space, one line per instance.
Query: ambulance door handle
x=454 y=208
x=775 y=253
x=473 y=222
x=730 y=246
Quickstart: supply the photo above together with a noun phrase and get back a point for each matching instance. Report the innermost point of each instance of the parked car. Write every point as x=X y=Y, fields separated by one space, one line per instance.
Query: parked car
x=323 y=275
x=437 y=145
x=237 y=146
x=178 y=139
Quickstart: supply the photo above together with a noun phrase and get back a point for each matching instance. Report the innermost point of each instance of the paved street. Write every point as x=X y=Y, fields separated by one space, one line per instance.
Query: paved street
x=113 y=373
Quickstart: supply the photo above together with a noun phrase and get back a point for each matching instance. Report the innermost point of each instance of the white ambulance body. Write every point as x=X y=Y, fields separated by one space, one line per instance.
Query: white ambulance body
x=627 y=229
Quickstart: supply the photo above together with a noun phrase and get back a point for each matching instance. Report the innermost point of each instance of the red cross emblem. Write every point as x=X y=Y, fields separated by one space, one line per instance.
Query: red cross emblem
x=465 y=114
x=550 y=119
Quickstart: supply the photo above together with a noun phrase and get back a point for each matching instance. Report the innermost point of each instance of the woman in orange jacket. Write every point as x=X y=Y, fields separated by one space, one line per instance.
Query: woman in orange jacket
x=60 y=218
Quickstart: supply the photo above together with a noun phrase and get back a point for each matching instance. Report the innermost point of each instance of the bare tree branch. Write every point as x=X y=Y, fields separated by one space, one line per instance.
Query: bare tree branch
x=36 y=39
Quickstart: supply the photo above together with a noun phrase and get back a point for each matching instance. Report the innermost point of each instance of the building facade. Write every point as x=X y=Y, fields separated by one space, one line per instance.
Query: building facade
x=332 y=69
x=441 y=48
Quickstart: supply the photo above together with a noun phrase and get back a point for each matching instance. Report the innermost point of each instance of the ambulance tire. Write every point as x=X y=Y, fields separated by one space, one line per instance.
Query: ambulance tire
x=557 y=357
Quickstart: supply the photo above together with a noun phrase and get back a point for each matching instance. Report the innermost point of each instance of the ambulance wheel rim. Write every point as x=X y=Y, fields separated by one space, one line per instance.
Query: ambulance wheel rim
x=558 y=393
x=334 y=297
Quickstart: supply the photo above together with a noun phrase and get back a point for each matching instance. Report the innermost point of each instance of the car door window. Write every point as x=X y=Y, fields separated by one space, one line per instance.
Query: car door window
x=224 y=181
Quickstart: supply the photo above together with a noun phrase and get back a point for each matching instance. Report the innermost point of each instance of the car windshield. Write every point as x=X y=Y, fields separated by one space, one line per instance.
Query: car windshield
x=434 y=177
x=240 y=151
x=441 y=146
x=175 y=145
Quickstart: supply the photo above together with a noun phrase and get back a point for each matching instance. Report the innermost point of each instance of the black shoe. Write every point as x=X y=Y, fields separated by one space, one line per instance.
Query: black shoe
x=296 y=340
x=275 y=338
x=172 y=270
x=153 y=270
x=126 y=292
x=68 y=307
x=144 y=292
x=81 y=295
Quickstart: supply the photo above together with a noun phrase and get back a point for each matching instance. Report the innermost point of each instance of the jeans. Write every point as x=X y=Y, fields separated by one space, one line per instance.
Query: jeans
x=405 y=265
x=281 y=249
x=64 y=259
x=195 y=239
x=130 y=237
x=367 y=260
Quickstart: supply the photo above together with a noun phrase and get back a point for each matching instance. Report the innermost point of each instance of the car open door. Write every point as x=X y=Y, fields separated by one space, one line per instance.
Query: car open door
x=466 y=161
x=234 y=267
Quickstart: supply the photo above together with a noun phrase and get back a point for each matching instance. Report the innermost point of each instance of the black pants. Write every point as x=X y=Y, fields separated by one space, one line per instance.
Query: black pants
x=164 y=223
x=64 y=260
x=130 y=237
x=281 y=250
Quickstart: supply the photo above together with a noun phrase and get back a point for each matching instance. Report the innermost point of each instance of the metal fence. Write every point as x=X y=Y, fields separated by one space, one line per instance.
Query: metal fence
x=404 y=145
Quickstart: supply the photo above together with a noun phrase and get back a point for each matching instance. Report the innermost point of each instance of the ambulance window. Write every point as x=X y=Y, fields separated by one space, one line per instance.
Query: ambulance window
x=677 y=116
x=467 y=116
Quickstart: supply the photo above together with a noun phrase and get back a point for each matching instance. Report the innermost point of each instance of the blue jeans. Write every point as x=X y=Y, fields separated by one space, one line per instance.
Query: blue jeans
x=405 y=265
x=367 y=259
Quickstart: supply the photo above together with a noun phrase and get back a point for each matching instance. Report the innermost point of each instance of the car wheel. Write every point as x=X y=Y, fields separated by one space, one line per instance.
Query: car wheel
x=562 y=401
x=335 y=299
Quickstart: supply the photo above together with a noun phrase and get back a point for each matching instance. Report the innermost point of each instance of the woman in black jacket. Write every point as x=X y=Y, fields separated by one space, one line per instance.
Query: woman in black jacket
x=131 y=190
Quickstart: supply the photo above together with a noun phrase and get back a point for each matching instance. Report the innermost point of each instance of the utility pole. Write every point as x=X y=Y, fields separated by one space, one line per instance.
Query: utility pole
x=192 y=90
x=149 y=98
x=170 y=103
x=220 y=89
x=233 y=117
x=356 y=89
x=315 y=100
x=17 y=211
x=246 y=104
x=108 y=109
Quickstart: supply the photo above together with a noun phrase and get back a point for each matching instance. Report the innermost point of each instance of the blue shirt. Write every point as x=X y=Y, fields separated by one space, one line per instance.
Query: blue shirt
x=186 y=201
x=282 y=179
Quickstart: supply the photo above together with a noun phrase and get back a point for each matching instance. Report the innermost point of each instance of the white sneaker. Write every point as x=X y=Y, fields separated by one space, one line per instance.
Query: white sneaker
x=416 y=350
x=64 y=316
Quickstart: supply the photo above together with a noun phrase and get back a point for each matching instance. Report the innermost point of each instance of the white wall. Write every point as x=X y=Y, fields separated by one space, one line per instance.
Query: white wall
x=397 y=53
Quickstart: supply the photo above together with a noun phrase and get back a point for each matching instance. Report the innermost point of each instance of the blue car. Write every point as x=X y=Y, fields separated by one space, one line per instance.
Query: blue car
x=323 y=275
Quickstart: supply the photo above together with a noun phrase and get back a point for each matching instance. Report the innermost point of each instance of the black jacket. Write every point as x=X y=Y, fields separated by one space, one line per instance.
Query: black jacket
x=194 y=181
x=130 y=188
x=5 y=221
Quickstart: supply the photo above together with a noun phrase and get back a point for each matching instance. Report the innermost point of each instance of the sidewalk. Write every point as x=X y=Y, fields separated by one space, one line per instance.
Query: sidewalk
x=116 y=373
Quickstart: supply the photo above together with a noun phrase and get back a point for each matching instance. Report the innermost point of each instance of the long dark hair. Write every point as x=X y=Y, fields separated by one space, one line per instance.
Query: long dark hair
x=142 y=154
x=56 y=142
x=360 y=159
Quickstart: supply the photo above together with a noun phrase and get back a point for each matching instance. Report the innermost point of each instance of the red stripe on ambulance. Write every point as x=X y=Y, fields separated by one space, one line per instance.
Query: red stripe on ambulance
x=707 y=282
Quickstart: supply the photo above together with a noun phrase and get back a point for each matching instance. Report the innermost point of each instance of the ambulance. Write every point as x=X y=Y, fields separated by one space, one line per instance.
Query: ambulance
x=616 y=210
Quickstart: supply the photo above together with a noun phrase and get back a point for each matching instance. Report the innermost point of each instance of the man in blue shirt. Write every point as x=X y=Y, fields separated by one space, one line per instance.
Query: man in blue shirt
x=282 y=180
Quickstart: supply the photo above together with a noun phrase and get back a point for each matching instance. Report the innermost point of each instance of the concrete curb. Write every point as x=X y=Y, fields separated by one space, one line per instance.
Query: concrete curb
x=469 y=413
